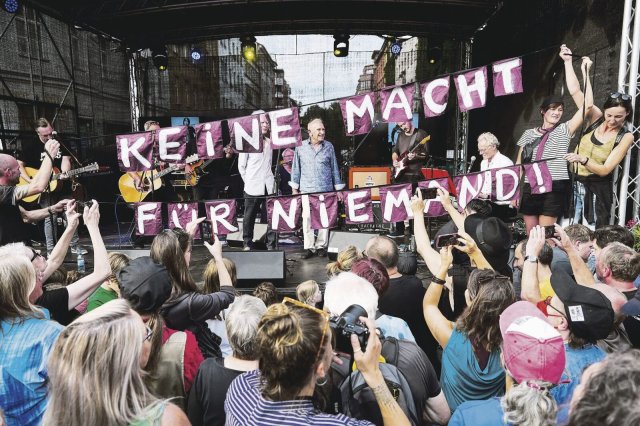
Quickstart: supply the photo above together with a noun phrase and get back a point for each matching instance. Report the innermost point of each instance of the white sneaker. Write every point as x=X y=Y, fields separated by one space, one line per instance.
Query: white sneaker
x=75 y=250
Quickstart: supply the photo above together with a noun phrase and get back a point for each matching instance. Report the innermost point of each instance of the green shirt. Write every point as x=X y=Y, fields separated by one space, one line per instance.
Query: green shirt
x=100 y=297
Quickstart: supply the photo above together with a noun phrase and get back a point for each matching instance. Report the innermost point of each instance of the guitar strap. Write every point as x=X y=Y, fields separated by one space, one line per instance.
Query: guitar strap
x=413 y=141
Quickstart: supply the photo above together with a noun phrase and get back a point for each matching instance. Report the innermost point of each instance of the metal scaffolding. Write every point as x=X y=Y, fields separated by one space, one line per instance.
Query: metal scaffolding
x=462 y=118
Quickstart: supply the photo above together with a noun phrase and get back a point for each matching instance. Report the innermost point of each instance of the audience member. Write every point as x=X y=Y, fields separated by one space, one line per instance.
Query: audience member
x=28 y=337
x=96 y=375
x=471 y=347
x=533 y=357
x=309 y=292
x=109 y=290
x=602 y=237
x=174 y=355
x=582 y=239
x=282 y=391
x=536 y=254
x=608 y=392
x=343 y=262
x=266 y=292
x=206 y=400
x=211 y=280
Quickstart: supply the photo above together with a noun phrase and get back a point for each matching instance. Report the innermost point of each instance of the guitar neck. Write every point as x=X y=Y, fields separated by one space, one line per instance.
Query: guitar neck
x=74 y=172
x=165 y=171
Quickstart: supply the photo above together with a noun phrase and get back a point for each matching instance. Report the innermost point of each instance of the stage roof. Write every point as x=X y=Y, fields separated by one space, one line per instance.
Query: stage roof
x=141 y=23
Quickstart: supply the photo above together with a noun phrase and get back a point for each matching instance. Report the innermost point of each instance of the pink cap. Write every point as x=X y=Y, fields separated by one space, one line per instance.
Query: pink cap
x=532 y=348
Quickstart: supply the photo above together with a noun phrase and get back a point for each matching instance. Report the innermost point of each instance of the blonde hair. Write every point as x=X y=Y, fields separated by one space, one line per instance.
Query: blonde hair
x=211 y=277
x=346 y=258
x=118 y=261
x=306 y=290
x=94 y=370
x=17 y=281
x=489 y=138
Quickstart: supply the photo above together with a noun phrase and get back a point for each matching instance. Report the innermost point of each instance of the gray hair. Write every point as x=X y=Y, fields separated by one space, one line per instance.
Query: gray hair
x=489 y=138
x=347 y=289
x=242 y=326
x=623 y=261
x=529 y=406
x=19 y=249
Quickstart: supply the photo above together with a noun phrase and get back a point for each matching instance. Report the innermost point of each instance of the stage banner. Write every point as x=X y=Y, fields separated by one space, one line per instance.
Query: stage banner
x=172 y=143
x=433 y=207
x=148 y=218
x=180 y=214
x=468 y=187
x=435 y=95
x=135 y=151
x=245 y=133
x=539 y=177
x=395 y=202
x=505 y=183
x=397 y=103
x=357 y=113
x=507 y=77
x=284 y=213
x=222 y=215
x=209 y=142
x=472 y=89
x=357 y=206
x=324 y=210
x=285 y=128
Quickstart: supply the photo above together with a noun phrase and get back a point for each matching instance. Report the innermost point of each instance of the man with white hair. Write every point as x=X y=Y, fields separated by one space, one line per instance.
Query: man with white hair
x=315 y=169
x=488 y=145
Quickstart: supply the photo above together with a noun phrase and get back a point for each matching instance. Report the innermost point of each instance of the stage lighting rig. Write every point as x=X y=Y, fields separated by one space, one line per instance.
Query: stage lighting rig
x=341 y=45
x=160 y=60
x=249 y=47
x=11 y=6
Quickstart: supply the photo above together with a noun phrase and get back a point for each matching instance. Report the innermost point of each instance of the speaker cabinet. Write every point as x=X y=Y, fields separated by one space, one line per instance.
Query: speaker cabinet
x=255 y=266
x=362 y=177
x=338 y=240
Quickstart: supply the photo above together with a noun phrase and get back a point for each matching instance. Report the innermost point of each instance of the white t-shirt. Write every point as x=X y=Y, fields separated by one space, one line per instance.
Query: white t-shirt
x=498 y=161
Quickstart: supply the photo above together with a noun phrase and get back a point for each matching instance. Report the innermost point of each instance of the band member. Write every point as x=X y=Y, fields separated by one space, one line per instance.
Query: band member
x=255 y=170
x=315 y=169
x=488 y=145
x=409 y=153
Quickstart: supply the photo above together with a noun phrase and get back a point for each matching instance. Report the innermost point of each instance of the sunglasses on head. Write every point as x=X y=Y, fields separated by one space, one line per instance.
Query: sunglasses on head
x=623 y=96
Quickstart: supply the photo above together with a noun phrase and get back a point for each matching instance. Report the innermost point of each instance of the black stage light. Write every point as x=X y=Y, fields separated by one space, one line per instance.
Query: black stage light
x=249 y=47
x=396 y=48
x=160 y=59
x=341 y=45
x=197 y=56
x=11 y=6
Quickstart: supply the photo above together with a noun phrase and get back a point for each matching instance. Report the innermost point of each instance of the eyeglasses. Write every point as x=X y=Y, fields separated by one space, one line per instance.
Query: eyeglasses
x=35 y=254
x=149 y=335
x=324 y=314
x=623 y=96
x=547 y=302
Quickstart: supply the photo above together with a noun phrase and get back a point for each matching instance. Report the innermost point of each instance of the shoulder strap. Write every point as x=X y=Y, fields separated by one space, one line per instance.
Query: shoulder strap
x=390 y=350
x=593 y=125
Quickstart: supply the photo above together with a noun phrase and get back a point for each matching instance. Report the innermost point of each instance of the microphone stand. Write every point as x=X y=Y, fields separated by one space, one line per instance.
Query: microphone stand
x=365 y=138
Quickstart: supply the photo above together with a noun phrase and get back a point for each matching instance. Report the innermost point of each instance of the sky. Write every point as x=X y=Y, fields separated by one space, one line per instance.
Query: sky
x=304 y=57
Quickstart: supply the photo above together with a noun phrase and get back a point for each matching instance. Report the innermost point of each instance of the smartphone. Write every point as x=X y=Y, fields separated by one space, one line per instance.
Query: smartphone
x=80 y=205
x=549 y=231
x=429 y=193
x=447 y=240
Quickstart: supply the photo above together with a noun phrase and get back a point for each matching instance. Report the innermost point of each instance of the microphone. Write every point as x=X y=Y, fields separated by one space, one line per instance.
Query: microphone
x=375 y=124
x=471 y=161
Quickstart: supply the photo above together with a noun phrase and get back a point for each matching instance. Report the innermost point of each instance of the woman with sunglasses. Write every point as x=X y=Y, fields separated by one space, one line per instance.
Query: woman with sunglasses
x=96 y=373
x=294 y=346
x=550 y=142
x=602 y=147
x=471 y=367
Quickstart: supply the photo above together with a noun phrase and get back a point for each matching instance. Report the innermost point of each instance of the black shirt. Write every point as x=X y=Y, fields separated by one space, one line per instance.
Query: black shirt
x=12 y=227
x=632 y=324
x=57 y=303
x=405 y=143
x=209 y=390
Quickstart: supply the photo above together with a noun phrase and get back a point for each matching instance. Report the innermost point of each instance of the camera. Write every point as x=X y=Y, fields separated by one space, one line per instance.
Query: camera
x=429 y=193
x=447 y=240
x=80 y=205
x=345 y=325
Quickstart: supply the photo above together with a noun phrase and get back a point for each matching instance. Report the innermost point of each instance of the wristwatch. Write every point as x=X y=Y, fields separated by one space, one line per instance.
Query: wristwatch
x=532 y=259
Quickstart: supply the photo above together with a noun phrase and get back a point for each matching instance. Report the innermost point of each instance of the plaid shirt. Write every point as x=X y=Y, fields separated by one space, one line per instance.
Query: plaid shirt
x=24 y=350
x=315 y=171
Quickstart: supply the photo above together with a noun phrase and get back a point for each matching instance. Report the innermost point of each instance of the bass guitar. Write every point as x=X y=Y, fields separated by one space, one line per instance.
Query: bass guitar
x=151 y=181
x=55 y=176
x=403 y=160
x=197 y=168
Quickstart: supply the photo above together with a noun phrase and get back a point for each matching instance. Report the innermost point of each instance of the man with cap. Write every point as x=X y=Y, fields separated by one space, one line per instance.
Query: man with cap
x=174 y=355
x=533 y=357
x=582 y=315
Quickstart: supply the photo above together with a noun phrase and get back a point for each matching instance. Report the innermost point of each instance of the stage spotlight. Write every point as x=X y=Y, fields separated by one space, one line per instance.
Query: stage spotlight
x=160 y=59
x=196 y=55
x=341 y=45
x=11 y=6
x=434 y=54
x=249 y=47
x=396 y=48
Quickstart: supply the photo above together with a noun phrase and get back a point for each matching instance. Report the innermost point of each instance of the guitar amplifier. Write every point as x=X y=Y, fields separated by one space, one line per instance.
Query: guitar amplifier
x=362 y=177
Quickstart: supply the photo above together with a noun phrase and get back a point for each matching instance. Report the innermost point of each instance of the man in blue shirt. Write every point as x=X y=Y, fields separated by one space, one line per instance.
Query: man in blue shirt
x=314 y=169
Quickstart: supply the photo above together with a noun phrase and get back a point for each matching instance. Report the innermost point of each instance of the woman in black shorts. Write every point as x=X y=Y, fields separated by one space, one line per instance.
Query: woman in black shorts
x=550 y=141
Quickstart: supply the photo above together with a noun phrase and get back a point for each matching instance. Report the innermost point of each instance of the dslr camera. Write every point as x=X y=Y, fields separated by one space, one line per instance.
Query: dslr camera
x=345 y=325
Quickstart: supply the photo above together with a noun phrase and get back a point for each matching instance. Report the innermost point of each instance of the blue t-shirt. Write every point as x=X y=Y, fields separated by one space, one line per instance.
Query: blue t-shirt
x=478 y=413
x=577 y=361
x=462 y=379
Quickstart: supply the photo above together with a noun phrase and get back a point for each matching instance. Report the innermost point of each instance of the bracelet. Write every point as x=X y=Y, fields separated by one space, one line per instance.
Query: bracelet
x=585 y=162
x=437 y=280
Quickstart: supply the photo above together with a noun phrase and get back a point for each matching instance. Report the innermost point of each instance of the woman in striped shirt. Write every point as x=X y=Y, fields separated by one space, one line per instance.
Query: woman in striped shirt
x=550 y=142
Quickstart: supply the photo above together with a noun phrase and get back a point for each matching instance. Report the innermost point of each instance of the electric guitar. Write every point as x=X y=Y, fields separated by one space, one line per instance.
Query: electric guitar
x=127 y=184
x=402 y=159
x=197 y=168
x=55 y=175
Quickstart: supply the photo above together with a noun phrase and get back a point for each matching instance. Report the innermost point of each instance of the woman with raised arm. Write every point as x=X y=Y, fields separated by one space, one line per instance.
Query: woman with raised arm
x=550 y=142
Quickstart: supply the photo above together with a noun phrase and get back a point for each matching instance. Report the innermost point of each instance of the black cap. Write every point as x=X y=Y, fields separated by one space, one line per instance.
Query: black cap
x=492 y=236
x=145 y=284
x=632 y=307
x=553 y=99
x=588 y=311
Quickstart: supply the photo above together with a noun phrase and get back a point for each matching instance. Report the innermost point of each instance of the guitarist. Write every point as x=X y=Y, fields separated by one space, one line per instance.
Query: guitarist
x=408 y=138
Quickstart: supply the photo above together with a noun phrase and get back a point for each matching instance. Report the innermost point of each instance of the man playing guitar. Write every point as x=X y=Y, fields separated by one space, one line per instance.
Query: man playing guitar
x=410 y=153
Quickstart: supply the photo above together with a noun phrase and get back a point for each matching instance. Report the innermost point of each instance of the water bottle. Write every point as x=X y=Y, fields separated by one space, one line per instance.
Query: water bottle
x=80 y=259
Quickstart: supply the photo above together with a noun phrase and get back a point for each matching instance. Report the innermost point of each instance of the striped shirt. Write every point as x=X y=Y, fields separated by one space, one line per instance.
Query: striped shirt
x=556 y=146
x=246 y=406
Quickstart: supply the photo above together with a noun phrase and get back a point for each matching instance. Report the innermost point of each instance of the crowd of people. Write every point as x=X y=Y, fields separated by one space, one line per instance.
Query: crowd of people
x=542 y=332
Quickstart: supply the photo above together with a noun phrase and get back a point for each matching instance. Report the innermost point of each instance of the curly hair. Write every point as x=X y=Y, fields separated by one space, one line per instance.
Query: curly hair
x=623 y=261
x=266 y=292
x=525 y=405
x=344 y=261
x=294 y=334
x=490 y=295
x=612 y=395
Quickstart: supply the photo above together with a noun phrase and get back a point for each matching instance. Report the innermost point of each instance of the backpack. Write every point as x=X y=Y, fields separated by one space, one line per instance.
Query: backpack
x=404 y=372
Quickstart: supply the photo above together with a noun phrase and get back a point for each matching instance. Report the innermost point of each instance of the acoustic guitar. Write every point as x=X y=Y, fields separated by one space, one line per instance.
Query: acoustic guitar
x=55 y=175
x=198 y=168
x=151 y=181
x=403 y=160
